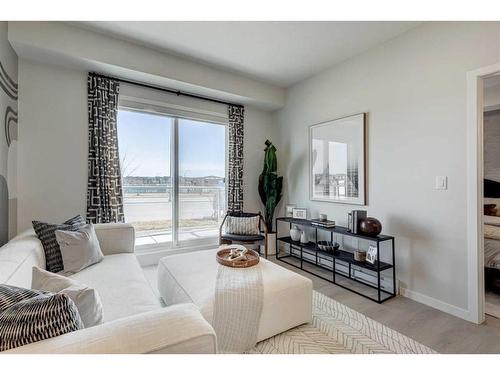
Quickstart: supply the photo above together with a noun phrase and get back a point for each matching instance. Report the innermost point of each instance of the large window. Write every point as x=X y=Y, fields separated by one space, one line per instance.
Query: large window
x=173 y=172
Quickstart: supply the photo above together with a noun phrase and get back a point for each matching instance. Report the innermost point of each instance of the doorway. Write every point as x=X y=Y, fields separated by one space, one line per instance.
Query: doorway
x=491 y=194
x=476 y=81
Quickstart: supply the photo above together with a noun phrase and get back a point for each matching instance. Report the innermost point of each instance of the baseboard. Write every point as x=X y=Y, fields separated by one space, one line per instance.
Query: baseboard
x=437 y=304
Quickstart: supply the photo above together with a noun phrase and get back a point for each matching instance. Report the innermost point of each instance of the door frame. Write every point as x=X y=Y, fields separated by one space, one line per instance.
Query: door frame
x=475 y=173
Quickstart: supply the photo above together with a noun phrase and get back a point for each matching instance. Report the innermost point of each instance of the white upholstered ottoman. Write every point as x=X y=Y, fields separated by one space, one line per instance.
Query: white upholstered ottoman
x=191 y=278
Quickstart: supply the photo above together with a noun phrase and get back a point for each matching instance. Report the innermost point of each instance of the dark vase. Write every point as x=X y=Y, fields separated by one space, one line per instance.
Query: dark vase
x=370 y=226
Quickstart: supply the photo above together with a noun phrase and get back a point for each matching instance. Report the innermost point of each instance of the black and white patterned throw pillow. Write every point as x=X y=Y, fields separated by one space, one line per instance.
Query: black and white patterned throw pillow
x=39 y=316
x=10 y=295
x=46 y=234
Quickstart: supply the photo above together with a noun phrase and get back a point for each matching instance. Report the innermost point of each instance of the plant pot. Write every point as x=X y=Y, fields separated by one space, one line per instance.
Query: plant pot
x=271 y=244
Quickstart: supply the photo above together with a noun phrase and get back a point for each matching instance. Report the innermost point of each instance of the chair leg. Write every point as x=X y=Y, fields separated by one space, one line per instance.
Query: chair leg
x=258 y=248
x=265 y=247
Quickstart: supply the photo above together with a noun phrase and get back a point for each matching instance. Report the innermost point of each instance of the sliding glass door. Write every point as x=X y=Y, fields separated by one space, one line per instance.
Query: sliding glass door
x=173 y=172
x=201 y=179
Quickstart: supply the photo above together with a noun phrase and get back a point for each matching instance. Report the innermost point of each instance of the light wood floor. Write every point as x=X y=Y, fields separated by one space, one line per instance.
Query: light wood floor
x=438 y=330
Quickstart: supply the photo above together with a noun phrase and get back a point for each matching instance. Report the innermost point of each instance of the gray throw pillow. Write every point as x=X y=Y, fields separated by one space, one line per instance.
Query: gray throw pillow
x=46 y=234
x=87 y=300
x=28 y=316
x=79 y=248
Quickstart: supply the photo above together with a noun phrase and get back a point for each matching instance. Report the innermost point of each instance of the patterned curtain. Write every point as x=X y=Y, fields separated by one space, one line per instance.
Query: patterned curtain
x=104 y=188
x=235 y=165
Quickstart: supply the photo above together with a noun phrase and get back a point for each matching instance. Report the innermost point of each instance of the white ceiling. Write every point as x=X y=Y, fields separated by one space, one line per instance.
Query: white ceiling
x=281 y=53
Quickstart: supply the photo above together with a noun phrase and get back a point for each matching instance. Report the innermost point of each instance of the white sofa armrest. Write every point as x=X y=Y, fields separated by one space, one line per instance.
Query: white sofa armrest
x=174 y=329
x=115 y=238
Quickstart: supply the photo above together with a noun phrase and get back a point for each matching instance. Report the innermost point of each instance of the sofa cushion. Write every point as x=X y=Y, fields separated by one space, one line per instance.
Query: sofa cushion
x=31 y=316
x=242 y=237
x=87 y=300
x=17 y=258
x=122 y=286
x=46 y=234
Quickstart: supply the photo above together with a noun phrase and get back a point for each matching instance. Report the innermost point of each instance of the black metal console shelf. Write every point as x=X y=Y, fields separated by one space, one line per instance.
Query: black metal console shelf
x=344 y=270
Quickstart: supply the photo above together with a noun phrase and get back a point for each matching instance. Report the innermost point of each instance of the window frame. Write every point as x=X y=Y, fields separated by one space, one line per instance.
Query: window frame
x=177 y=112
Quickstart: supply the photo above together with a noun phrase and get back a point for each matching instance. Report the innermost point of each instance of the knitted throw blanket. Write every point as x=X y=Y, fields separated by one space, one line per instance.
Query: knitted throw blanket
x=237 y=307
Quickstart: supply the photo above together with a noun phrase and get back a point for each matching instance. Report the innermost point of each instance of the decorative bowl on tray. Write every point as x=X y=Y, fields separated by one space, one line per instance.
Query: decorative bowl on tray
x=237 y=256
x=328 y=246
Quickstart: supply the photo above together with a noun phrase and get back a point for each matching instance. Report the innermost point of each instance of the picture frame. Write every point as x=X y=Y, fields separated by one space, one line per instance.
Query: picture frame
x=299 y=213
x=289 y=210
x=371 y=254
x=337 y=160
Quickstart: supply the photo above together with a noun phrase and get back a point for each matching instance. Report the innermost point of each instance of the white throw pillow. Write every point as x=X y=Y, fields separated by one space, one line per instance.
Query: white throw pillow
x=79 y=249
x=242 y=225
x=86 y=299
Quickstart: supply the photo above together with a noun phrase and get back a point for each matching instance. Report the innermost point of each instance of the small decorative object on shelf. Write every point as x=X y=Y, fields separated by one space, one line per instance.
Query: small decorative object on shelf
x=371 y=255
x=357 y=216
x=303 y=237
x=289 y=210
x=324 y=224
x=323 y=217
x=299 y=213
x=359 y=255
x=349 y=222
x=328 y=246
x=370 y=226
x=295 y=233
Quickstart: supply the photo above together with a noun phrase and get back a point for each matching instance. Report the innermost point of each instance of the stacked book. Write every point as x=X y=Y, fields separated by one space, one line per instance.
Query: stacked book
x=324 y=224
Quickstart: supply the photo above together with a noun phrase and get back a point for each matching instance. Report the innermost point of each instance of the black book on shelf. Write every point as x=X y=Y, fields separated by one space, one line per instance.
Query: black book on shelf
x=325 y=224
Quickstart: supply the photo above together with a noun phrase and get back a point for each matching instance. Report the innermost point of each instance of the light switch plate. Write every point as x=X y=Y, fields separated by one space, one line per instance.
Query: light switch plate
x=441 y=182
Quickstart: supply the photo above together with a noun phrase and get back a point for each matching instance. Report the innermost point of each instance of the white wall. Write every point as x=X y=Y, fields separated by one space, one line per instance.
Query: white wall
x=414 y=90
x=258 y=128
x=52 y=153
x=53 y=144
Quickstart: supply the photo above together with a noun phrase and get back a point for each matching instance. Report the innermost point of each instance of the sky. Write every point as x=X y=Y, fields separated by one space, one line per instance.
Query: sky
x=144 y=146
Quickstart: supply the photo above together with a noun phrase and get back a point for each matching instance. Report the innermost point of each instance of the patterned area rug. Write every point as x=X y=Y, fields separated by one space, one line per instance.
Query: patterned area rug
x=338 y=329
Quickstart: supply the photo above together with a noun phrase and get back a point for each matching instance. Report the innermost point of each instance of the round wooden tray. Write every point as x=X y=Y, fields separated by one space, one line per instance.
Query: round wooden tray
x=252 y=257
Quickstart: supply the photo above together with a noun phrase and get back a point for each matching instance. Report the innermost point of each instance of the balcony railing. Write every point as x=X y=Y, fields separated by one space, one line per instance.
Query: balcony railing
x=149 y=209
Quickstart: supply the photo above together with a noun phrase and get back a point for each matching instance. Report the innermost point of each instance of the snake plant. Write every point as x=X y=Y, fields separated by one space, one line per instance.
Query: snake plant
x=270 y=185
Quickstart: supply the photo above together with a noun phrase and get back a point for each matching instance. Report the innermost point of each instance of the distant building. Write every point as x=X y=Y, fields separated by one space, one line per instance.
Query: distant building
x=163 y=184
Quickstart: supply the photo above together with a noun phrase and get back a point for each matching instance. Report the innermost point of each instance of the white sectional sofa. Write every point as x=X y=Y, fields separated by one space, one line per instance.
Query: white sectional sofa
x=134 y=320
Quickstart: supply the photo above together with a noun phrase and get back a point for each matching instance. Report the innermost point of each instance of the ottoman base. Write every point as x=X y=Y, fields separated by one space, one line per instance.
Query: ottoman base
x=191 y=278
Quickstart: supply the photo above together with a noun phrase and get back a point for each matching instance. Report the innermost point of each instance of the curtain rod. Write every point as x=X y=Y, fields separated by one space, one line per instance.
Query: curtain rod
x=170 y=91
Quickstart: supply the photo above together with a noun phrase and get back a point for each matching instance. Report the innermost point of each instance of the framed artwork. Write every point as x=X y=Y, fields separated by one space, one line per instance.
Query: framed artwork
x=299 y=213
x=337 y=160
x=371 y=254
x=289 y=210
